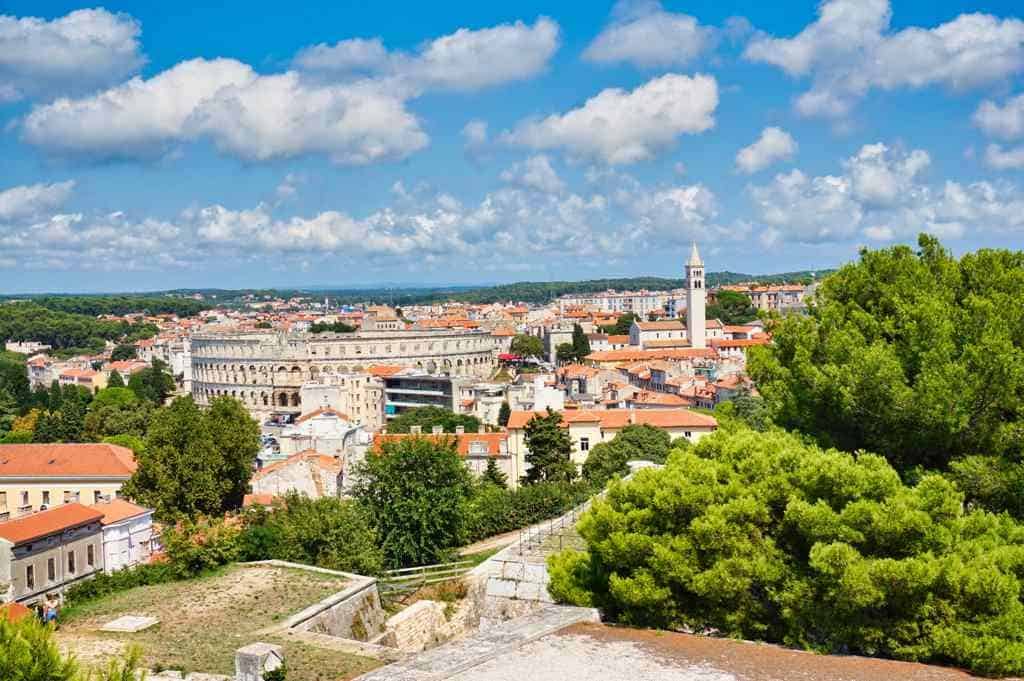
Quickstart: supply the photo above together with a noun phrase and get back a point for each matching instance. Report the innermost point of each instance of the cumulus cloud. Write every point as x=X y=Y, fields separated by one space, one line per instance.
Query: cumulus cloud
x=259 y=117
x=774 y=144
x=879 y=197
x=251 y=116
x=620 y=127
x=1004 y=159
x=850 y=49
x=464 y=60
x=81 y=51
x=535 y=173
x=1005 y=122
x=29 y=201
x=644 y=34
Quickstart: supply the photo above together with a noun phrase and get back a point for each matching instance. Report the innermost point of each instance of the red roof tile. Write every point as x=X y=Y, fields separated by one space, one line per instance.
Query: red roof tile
x=116 y=510
x=92 y=460
x=45 y=523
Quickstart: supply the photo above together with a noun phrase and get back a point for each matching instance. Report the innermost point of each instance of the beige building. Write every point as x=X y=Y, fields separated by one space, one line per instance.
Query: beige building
x=588 y=428
x=641 y=334
x=359 y=396
x=266 y=370
x=43 y=553
x=35 y=477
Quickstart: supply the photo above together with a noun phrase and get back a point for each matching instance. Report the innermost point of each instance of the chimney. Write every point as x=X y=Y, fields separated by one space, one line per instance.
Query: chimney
x=460 y=430
x=415 y=430
x=437 y=430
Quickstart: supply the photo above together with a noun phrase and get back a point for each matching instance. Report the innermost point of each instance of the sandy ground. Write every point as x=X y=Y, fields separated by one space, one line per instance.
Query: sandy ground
x=594 y=652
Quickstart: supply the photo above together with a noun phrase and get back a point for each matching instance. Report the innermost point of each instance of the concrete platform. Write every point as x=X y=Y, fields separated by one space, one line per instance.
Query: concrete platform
x=130 y=624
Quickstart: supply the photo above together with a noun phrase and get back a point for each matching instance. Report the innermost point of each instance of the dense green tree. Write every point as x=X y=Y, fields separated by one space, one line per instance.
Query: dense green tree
x=115 y=380
x=17 y=437
x=154 y=383
x=550 y=449
x=565 y=353
x=913 y=354
x=119 y=305
x=525 y=345
x=504 y=413
x=415 y=490
x=65 y=332
x=48 y=428
x=14 y=382
x=580 y=343
x=8 y=411
x=123 y=352
x=732 y=307
x=330 y=533
x=633 y=443
x=428 y=417
x=762 y=536
x=331 y=327
x=122 y=413
x=132 y=442
x=622 y=324
x=28 y=652
x=494 y=475
x=194 y=461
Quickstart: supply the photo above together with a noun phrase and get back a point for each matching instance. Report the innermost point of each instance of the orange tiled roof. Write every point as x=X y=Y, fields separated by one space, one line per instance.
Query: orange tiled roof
x=45 y=523
x=322 y=411
x=92 y=460
x=614 y=419
x=637 y=355
x=116 y=510
x=259 y=499
x=673 y=325
x=383 y=370
x=617 y=339
x=462 y=442
x=326 y=462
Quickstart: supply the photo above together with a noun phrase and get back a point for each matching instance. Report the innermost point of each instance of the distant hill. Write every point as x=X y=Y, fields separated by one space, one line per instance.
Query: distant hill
x=524 y=291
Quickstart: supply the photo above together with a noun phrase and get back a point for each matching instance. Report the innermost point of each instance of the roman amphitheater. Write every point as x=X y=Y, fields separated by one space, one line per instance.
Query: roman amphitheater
x=265 y=369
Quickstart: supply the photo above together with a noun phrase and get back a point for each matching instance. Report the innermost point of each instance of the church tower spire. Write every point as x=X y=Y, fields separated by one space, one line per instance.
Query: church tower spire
x=696 y=299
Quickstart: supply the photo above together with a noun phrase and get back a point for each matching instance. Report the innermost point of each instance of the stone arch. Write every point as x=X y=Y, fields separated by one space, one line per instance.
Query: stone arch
x=295 y=399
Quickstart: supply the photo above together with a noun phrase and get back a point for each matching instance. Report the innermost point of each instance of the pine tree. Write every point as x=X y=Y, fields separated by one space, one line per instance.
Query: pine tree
x=48 y=428
x=115 y=380
x=504 y=413
x=580 y=343
x=495 y=475
x=550 y=449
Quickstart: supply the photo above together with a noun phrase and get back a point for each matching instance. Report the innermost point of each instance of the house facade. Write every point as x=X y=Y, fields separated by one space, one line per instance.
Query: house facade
x=128 y=537
x=43 y=554
x=36 y=477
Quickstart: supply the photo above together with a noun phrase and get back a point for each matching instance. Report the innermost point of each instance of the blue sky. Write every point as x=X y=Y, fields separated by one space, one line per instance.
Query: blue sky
x=151 y=146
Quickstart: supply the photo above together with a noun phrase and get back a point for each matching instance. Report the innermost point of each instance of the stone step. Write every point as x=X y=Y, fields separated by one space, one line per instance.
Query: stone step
x=458 y=656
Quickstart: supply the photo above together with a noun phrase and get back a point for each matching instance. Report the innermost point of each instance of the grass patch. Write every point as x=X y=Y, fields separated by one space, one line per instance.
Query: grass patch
x=204 y=620
x=478 y=558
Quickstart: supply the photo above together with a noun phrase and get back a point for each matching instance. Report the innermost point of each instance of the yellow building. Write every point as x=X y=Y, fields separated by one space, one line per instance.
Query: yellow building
x=38 y=476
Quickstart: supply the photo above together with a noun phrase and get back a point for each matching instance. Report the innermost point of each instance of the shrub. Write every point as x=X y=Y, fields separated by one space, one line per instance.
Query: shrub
x=762 y=536
x=29 y=653
x=492 y=510
x=103 y=584
x=329 y=533
x=197 y=546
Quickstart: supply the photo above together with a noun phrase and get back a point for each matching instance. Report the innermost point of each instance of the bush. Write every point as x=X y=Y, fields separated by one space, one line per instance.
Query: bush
x=121 y=580
x=762 y=536
x=492 y=510
x=329 y=533
x=633 y=443
x=197 y=546
x=29 y=653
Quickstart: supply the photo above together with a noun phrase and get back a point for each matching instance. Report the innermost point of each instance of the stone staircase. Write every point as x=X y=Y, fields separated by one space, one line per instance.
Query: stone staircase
x=457 y=656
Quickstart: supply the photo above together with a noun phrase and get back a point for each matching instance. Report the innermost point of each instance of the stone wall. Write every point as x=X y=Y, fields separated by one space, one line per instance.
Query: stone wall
x=358 y=616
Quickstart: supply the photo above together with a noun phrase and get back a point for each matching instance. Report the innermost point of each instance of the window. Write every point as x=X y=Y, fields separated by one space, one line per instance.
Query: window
x=478 y=447
x=71 y=563
x=46 y=498
x=97 y=496
x=3 y=499
x=24 y=498
x=688 y=434
x=30 y=577
x=90 y=555
x=584 y=444
x=51 y=570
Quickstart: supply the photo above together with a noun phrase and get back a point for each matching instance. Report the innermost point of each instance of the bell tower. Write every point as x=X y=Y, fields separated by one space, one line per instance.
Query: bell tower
x=696 y=299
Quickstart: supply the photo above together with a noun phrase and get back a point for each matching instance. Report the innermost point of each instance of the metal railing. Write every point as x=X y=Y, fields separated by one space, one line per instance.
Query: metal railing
x=410 y=579
x=535 y=537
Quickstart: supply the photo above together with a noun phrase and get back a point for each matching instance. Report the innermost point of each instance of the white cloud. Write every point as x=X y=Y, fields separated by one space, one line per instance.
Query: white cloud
x=260 y=117
x=644 y=34
x=774 y=144
x=534 y=173
x=464 y=60
x=1004 y=159
x=850 y=49
x=1005 y=122
x=620 y=127
x=251 y=116
x=879 y=197
x=83 y=50
x=34 y=200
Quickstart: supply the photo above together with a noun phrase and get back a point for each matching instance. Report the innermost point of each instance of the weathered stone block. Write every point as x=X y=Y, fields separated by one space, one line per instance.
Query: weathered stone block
x=528 y=591
x=537 y=574
x=512 y=571
x=255 y=659
x=502 y=588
